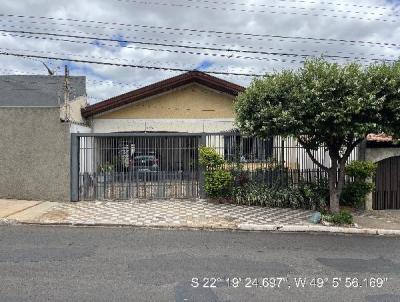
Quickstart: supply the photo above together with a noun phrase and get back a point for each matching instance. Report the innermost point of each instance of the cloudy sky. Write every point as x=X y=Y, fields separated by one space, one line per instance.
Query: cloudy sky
x=228 y=36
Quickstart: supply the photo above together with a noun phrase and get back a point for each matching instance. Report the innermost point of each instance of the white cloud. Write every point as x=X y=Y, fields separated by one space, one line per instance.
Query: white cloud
x=284 y=22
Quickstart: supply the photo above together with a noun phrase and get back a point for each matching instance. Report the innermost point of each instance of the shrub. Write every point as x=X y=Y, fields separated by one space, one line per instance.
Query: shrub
x=360 y=169
x=240 y=177
x=343 y=217
x=209 y=158
x=355 y=193
x=262 y=195
x=315 y=194
x=218 y=184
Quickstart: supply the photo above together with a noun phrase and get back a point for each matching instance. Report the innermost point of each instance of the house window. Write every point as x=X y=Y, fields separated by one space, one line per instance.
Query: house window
x=247 y=149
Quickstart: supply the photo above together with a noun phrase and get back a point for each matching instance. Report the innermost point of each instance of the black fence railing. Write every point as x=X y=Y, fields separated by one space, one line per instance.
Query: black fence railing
x=166 y=165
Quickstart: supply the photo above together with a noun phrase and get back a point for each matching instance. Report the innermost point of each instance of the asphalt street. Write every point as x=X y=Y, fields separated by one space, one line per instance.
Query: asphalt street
x=127 y=264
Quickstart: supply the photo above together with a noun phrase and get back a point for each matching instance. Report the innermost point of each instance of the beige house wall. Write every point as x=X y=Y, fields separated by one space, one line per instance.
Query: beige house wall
x=189 y=102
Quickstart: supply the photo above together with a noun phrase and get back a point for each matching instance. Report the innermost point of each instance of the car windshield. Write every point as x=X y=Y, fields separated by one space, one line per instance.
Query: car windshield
x=145 y=160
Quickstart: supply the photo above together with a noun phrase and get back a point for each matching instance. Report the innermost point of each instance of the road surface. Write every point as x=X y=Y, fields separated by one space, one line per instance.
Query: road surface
x=127 y=264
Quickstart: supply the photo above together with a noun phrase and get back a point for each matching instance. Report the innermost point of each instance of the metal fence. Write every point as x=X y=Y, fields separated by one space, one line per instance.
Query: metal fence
x=270 y=160
x=123 y=166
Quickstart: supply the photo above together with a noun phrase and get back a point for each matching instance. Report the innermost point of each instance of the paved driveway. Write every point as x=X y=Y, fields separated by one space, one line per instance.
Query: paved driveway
x=170 y=213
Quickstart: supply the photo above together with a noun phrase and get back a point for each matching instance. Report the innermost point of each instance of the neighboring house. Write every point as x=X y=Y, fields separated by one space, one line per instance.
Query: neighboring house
x=35 y=135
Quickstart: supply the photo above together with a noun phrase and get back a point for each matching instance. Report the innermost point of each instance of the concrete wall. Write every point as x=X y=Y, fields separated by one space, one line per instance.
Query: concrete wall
x=378 y=154
x=34 y=154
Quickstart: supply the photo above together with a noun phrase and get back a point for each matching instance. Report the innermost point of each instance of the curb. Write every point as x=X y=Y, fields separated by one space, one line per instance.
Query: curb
x=240 y=227
x=317 y=228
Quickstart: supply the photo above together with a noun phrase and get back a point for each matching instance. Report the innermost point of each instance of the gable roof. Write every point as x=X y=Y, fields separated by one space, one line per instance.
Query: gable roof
x=37 y=90
x=161 y=87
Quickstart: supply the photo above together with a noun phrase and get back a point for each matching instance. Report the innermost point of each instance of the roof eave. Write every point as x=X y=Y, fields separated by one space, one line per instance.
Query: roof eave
x=161 y=87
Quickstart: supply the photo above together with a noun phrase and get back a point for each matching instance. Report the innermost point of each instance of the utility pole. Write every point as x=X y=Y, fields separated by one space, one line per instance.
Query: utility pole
x=66 y=93
x=66 y=84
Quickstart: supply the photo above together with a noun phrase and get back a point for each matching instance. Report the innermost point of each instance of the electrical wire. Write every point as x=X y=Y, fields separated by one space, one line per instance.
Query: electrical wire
x=240 y=10
x=203 y=31
x=369 y=10
x=192 y=66
x=5 y=53
x=316 y=52
x=191 y=47
x=307 y=2
x=156 y=49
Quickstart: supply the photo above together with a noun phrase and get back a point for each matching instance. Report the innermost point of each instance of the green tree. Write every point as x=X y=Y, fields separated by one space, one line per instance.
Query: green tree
x=325 y=105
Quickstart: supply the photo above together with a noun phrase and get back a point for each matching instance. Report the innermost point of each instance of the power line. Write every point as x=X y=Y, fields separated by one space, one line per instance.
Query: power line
x=126 y=60
x=316 y=52
x=157 y=49
x=190 y=47
x=99 y=82
x=240 y=10
x=296 y=7
x=126 y=65
x=308 y=2
x=202 y=31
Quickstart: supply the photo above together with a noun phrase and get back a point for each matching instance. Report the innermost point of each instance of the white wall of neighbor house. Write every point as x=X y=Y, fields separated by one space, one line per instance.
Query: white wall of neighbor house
x=71 y=111
x=86 y=148
x=161 y=125
x=77 y=128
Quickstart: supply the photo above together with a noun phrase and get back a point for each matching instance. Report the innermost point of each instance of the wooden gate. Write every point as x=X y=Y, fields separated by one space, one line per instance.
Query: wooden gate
x=387 y=192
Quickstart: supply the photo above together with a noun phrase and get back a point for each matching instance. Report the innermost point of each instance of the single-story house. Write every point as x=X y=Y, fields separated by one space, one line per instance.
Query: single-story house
x=140 y=144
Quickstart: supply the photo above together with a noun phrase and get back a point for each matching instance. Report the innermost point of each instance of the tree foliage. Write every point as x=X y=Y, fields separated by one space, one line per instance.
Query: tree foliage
x=326 y=105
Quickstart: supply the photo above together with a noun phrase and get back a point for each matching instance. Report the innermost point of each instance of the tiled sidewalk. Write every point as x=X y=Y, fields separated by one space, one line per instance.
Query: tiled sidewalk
x=170 y=213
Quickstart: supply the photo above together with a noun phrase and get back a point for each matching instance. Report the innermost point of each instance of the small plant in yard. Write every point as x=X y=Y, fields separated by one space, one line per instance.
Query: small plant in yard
x=210 y=159
x=218 y=184
x=343 y=217
x=105 y=168
x=355 y=192
x=361 y=169
x=256 y=194
x=316 y=194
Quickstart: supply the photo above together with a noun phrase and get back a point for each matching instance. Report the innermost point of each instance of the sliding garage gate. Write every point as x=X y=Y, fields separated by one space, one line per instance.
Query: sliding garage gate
x=134 y=166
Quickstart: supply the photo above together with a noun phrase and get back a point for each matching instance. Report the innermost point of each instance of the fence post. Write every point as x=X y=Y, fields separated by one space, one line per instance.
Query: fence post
x=202 y=193
x=74 y=172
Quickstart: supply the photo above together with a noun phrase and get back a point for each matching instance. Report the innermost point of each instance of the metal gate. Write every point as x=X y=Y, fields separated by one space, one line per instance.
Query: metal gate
x=134 y=166
x=387 y=179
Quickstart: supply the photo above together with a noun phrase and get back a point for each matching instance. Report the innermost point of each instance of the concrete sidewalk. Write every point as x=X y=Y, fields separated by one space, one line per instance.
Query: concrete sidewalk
x=23 y=210
x=385 y=219
x=170 y=213
x=186 y=214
